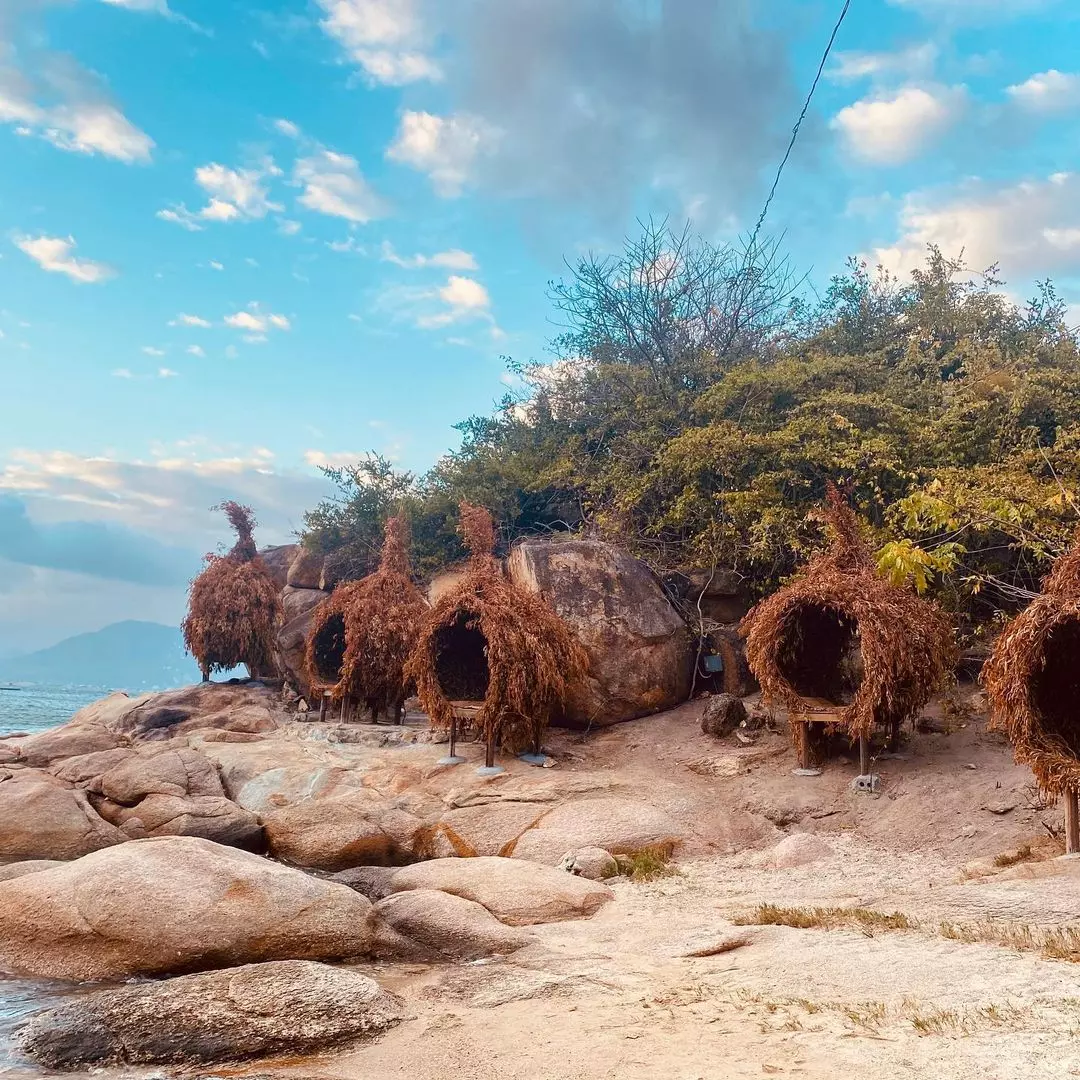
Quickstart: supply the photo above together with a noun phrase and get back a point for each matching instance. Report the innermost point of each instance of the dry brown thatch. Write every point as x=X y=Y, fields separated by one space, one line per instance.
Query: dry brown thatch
x=487 y=641
x=233 y=605
x=1032 y=680
x=364 y=633
x=841 y=633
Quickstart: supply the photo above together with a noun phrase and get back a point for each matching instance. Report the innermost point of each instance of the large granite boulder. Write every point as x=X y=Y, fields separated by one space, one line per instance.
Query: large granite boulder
x=208 y=816
x=180 y=771
x=640 y=650
x=284 y=1007
x=439 y=926
x=516 y=892
x=305 y=571
x=173 y=904
x=296 y=602
x=87 y=732
x=353 y=829
x=619 y=825
x=277 y=561
x=291 y=650
x=41 y=817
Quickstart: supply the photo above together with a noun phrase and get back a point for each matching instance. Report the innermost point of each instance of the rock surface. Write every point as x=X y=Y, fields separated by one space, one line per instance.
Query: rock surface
x=593 y=863
x=43 y=818
x=444 y=925
x=206 y=816
x=305 y=571
x=160 y=772
x=296 y=602
x=516 y=892
x=617 y=824
x=277 y=561
x=173 y=904
x=639 y=648
x=355 y=829
x=28 y=866
x=798 y=849
x=284 y=1007
x=722 y=714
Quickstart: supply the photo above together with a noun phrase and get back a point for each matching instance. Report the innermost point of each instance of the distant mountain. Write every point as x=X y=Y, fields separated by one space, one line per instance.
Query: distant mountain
x=126 y=655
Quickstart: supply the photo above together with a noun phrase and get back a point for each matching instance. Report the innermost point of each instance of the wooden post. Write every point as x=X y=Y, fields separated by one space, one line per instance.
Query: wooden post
x=453 y=735
x=324 y=705
x=864 y=756
x=802 y=744
x=489 y=760
x=1072 y=823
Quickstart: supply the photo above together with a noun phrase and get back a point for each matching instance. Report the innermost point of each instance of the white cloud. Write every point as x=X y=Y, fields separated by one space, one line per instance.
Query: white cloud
x=890 y=130
x=167 y=373
x=350 y=245
x=234 y=194
x=1031 y=228
x=257 y=323
x=150 y=350
x=287 y=128
x=123 y=373
x=443 y=147
x=385 y=37
x=974 y=11
x=454 y=259
x=916 y=60
x=56 y=254
x=216 y=265
x=244 y=320
x=320 y=459
x=333 y=184
x=1049 y=91
x=463 y=299
x=289 y=228
x=80 y=119
x=195 y=350
x=190 y=320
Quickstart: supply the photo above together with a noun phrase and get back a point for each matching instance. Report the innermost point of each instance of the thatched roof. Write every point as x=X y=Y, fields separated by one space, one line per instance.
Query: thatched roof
x=841 y=633
x=365 y=631
x=530 y=658
x=1032 y=679
x=233 y=605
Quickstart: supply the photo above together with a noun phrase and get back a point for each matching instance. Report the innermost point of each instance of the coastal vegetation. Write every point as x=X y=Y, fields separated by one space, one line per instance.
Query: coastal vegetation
x=700 y=398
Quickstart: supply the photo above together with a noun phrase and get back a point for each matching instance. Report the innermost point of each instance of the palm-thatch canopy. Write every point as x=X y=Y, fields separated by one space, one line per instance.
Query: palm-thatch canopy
x=365 y=631
x=840 y=633
x=233 y=605
x=1032 y=680
x=487 y=641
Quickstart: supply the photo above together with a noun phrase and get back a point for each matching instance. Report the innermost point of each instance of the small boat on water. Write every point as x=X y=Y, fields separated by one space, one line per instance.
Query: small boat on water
x=12 y=688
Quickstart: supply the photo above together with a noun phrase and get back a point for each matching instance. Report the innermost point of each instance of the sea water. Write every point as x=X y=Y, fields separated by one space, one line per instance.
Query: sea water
x=35 y=708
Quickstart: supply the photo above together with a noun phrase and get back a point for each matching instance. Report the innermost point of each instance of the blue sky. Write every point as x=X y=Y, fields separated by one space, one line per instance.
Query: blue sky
x=241 y=238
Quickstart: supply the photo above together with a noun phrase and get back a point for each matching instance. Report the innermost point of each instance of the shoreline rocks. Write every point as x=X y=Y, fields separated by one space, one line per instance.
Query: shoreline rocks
x=283 y=1007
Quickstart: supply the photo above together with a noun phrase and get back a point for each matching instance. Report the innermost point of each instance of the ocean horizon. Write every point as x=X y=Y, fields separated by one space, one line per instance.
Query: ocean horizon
x=34 y=708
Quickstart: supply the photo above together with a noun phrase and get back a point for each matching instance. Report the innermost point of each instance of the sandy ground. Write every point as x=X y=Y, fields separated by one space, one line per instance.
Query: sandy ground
x=617 y=996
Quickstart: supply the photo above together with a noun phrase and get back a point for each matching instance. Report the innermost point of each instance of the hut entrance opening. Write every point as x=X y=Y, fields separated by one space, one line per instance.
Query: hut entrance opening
x=461 y=663
x=1056 y=689
x=329 y=649
x=820 y=655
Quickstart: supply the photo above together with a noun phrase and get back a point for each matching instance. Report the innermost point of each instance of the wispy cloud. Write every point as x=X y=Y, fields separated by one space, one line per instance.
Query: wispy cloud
x=57 y=255
x=234 y=195
x=443 y=147
x=334 y=185
x=454 y=259
x=1047 y=92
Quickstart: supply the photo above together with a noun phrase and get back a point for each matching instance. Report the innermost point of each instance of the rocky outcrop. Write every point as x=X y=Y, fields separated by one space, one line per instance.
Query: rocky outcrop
x=444 y=581
x=593 y=863
x=297 y=602
x=180 y=771
x=29 y=866
x=43 y=818
x=305 y=571
x=287 y=1007
x=355 y=829
x=619 y=825
x=640 y=654
x=516 y=892
x=440 y=925
x=291 y=649
x=87 y=732
x=174 y=904
x=206 y=816
x=277 y=561
x=722 y=714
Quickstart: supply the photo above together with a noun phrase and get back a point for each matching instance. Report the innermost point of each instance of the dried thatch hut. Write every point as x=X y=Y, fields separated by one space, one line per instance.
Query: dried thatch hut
x=841 y=643
x=496 y=648
x=233 y=605
x=1032 y=683
x=364 y=633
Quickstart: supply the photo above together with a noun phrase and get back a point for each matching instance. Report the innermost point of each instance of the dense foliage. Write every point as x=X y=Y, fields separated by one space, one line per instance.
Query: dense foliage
x=698 y=404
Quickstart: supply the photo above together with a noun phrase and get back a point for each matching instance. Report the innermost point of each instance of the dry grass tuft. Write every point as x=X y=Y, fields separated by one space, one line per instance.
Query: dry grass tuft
x=799 y=641
x=826 y=918
x=648 y=864
x=1012 y=858
x=530 y=662
x=233 y=605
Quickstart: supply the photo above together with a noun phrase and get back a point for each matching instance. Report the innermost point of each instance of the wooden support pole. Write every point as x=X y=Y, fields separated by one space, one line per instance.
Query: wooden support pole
x=489 y=760
x=1072 y=822
x=453 y=735
x=324 y=705
x=802 y=746
x=864 y=756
